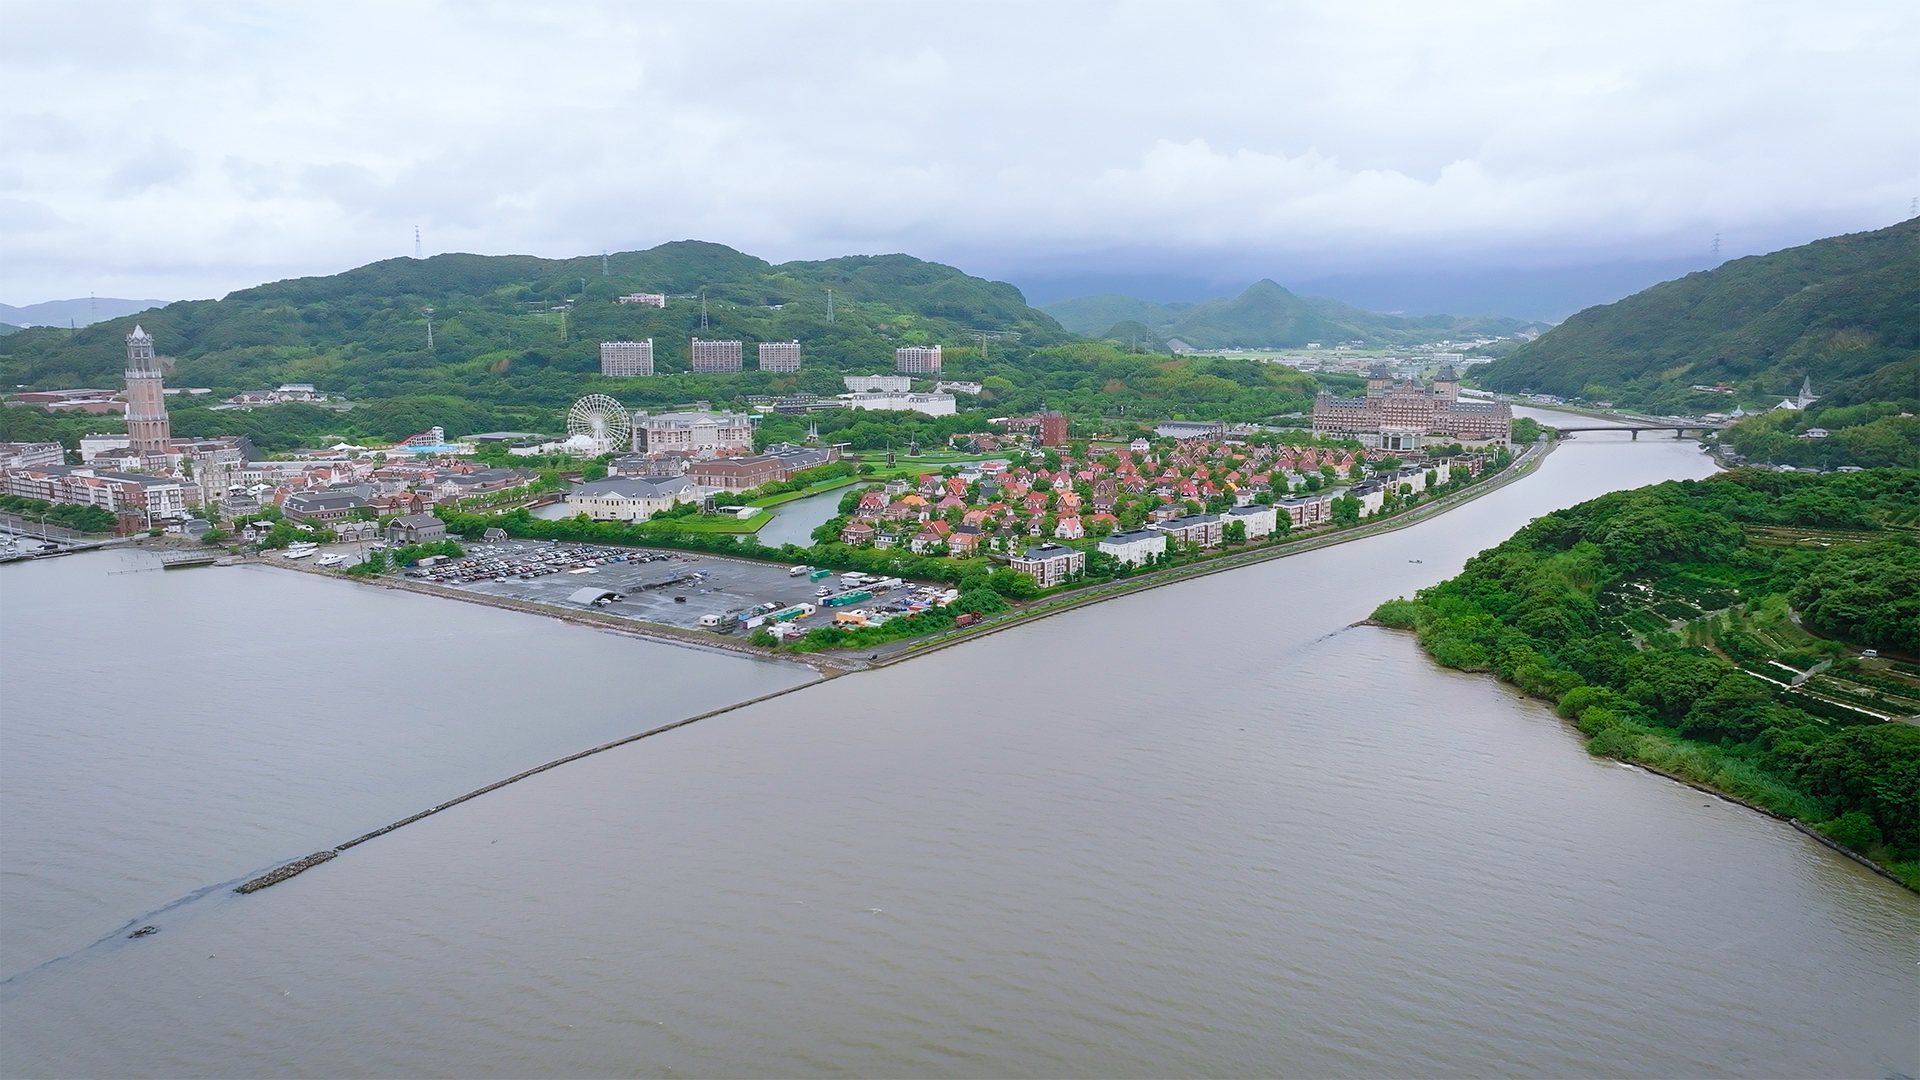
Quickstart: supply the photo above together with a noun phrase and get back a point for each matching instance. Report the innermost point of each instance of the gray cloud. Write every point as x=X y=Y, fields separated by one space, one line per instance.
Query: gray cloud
x=1215 y=142
x=157 y=163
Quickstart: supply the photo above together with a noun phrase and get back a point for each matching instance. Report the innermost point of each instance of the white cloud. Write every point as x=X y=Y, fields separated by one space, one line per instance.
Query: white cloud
x=190 y=149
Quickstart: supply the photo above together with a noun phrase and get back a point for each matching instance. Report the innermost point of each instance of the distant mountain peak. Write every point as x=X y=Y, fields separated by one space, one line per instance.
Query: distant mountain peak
x=1265 y=314
x=80 y=311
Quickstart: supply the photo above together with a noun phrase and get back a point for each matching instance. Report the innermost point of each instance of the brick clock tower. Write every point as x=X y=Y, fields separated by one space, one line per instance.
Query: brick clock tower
x=147 y=423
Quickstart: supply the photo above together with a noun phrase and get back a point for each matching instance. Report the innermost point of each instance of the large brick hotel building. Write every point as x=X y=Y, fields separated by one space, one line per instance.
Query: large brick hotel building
x=1398 y=414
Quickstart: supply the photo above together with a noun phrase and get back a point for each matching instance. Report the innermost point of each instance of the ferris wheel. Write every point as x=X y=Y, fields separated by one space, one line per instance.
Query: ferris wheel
x=601 y=421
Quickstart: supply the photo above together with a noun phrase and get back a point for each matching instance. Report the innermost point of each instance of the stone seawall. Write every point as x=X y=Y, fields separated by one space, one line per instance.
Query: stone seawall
x=299 y=866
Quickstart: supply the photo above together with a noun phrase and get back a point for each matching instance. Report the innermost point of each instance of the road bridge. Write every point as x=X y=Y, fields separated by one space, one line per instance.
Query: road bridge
x=1679 y=430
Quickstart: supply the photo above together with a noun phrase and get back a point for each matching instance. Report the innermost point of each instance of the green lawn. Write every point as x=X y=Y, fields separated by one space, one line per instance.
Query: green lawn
x=812 y=489
x=716 y=524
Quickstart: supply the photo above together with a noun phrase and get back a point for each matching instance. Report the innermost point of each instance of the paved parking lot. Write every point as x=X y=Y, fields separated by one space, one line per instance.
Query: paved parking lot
x=721 y=585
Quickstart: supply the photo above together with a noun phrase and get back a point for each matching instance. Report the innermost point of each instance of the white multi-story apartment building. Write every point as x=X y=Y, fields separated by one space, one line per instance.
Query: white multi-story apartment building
x=644 y=299
x=1135 y=548
x=780 y=356
x=715 y=355
x=1050 y=564
x=886 y=384
x=1259 y=520
x=1207 y=530
x=691 y=431
x=1305 y=511
x=626 y=358
x=917 y=360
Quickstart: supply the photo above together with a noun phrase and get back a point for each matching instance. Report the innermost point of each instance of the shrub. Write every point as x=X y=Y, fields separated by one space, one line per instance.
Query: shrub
x=1400 y=614
x=1854 y=829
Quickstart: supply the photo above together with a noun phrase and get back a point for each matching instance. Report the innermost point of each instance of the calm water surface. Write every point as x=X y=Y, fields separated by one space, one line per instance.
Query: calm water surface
x=1203 y=829
x=794 y=522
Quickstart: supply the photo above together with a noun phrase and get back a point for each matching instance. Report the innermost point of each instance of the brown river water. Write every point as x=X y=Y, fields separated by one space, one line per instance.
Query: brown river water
x=1204 y=829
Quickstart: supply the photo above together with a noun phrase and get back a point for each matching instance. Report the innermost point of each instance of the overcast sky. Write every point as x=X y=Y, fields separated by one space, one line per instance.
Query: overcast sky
x=187 y=150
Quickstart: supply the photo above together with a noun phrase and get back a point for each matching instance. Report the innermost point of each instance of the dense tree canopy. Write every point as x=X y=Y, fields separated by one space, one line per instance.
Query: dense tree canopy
x=1671 y=622
x=1844 y=310
x=516 y=339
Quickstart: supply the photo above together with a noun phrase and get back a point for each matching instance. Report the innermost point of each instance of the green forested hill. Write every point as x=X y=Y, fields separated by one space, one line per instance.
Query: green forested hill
x=1266 y=315
x=364 y=332
x=1713 y=630
x=1845 y=311
x=515 y=339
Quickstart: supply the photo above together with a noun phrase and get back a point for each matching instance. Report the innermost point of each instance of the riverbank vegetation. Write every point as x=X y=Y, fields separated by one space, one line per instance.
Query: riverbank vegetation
x=379 y=562
x=1878 y=434
x=1720 y=631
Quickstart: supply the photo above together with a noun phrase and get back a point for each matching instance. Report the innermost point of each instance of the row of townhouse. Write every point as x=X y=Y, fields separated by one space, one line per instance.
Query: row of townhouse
x=26 y=455
x=151 y=496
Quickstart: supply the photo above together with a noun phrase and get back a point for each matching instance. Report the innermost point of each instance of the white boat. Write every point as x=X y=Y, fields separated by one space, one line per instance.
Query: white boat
x=300 y=553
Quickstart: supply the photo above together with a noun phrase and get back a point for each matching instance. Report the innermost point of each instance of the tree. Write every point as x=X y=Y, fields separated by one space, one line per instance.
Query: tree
x=1014 y=584
x=1236 y=532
